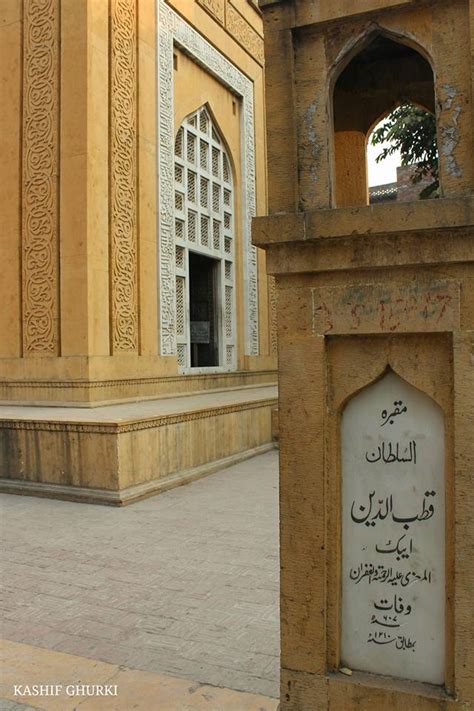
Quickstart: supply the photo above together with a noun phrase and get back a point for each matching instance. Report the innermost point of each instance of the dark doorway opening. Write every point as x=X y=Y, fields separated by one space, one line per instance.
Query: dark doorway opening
x=203 y=281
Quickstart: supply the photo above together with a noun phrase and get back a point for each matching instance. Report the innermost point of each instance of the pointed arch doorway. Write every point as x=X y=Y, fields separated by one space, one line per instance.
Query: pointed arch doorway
x=204 y=240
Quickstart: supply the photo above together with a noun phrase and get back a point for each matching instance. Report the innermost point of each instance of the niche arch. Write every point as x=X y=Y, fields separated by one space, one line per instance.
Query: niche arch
x=398 y=371
x=207 y=106
x=392 y=108
x=380 y=71
x=363 y=39
x=205 y=244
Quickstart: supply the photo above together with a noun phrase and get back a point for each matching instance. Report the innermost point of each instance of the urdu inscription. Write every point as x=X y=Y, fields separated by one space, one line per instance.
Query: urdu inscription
x=393 y=532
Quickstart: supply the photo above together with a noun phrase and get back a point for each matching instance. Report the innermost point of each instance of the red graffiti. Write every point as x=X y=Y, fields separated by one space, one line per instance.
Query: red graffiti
x=326 y=318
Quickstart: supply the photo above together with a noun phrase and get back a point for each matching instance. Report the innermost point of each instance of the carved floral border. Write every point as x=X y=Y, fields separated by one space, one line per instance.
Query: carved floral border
x=123 y=176
x=173 y=30
x=40 y=297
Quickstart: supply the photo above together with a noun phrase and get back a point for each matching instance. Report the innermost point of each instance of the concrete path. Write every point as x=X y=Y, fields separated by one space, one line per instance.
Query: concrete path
x=182 y=584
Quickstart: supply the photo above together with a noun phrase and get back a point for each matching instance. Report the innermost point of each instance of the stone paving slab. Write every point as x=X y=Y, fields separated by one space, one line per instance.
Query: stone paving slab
x=74 y=683
x=7 y=705
x=184 y=583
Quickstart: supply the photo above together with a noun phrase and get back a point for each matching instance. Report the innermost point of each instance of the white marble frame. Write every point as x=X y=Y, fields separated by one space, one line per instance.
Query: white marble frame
x=174 y=31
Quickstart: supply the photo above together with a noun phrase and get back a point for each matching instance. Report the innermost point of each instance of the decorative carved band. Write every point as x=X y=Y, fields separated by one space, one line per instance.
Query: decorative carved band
x=189 y=378
x=214 y=8
x=123 y=176
x=244 y=33
x=40 y=178
x=172 y=29
x=273 y=314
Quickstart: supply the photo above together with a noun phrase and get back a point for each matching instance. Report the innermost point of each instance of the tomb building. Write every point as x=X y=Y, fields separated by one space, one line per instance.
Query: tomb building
x=375 y=314
x=138 y=343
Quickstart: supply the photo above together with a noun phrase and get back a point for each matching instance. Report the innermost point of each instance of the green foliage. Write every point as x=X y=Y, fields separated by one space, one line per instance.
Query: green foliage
x=412 y=131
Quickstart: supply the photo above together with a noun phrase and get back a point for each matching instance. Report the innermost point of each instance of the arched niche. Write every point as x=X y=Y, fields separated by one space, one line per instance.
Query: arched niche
x=393 y=532
x=205 y=251
x=382 y=74
x=208 y=108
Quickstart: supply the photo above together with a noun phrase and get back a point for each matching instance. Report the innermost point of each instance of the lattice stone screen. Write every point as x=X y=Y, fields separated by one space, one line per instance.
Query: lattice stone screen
x=204 y=223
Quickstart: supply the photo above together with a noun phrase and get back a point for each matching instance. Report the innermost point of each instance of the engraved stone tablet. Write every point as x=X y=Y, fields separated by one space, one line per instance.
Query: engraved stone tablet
x=393 y=532
x=200 y=331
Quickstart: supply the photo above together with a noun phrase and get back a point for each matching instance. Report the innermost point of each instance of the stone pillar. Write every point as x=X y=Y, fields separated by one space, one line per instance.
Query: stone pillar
x=376 y=375
x=351 y=168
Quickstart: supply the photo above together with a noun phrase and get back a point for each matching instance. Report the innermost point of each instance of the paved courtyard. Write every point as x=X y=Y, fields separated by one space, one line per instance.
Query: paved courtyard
x=184 y=583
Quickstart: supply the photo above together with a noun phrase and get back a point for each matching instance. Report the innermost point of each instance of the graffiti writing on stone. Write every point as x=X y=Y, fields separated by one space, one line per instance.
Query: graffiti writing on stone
x=377 y=308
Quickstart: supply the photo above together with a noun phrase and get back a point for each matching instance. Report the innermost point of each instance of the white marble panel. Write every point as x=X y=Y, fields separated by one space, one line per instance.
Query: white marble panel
x=393 y=531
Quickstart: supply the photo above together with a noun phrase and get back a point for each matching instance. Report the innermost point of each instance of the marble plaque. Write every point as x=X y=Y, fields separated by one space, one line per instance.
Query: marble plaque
x=393 y=532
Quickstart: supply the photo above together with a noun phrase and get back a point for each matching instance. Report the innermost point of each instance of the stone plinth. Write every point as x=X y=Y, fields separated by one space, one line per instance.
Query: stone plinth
x=102 y=212
x=117 y=454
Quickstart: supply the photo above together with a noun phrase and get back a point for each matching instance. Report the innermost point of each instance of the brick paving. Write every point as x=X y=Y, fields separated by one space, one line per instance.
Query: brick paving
x=184 y=583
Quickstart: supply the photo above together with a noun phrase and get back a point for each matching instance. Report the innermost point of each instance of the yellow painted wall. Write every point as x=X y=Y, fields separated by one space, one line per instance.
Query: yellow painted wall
x=10 y=132
x=82 y=287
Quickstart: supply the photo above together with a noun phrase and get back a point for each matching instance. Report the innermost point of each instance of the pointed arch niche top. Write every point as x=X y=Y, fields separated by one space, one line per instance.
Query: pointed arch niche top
x=393 y=532
x=381 y=72
x=173 y=30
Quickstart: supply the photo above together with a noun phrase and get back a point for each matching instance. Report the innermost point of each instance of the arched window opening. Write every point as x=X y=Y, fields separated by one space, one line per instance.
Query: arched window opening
x=204 y=239
x=385 y=74
x=402 y=156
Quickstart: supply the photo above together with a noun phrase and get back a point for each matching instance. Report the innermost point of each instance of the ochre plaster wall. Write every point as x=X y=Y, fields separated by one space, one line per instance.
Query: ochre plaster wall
x=97 y=271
